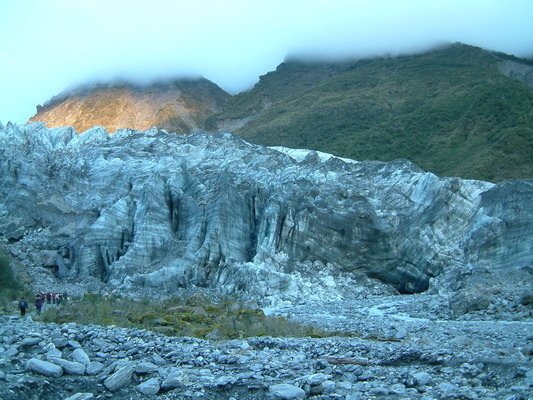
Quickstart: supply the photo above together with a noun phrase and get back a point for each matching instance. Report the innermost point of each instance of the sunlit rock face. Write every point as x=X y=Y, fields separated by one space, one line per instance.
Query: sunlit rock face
x=152 y=209
x=180 y=106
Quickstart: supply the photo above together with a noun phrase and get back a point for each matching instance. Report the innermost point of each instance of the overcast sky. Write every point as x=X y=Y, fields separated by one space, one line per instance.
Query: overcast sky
x=47 y=46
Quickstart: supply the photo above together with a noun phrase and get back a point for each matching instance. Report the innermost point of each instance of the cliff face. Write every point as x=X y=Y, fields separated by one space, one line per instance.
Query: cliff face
x=180 y=106
x=151 y=209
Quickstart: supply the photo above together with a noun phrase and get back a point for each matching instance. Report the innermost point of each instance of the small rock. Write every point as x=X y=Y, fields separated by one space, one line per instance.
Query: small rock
x=81 y=396
x=94 y=368
x=449 y=390
x=53 y=353
x=30 y=341
x=224 y=382
x=48 y=347
x=70 y=367
x=175 y=379
x=378 y=391
x=10 y=352
x=285 y=391
x=9 y=339
x=353 y=396
x=400 y=333
x=365 y=376
x=328 y=387
x=150 y=387
x=527 y=297
x=529 y=378
x=317 y=379
x=60 y=342
x=74 y=344
x=109 y=369
x=145 y=367
x=43 y=367
x=158 y=360
x=421 y=378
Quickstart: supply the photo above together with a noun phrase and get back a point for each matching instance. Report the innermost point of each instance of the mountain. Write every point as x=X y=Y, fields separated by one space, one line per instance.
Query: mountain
x=155 y=211
x=181 y=106
x=456 y=111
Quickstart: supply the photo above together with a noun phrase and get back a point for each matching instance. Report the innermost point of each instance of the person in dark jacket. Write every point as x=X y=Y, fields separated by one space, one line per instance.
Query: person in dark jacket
x=23 y=306
x=39 y=304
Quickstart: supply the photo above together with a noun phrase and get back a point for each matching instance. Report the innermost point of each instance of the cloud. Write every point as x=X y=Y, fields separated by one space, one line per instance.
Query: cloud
x=49 y=45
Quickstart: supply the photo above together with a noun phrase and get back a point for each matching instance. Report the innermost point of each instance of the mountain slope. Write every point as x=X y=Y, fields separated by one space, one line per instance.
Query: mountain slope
x=452 y=111
x=455 y=111
x=181 y=106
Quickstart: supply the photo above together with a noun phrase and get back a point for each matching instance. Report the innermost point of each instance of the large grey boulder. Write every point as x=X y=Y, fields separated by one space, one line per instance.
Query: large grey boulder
x=43 y=367
x=70 y=367
x=80 y=356
x=145 y=367
x=285 y=391
x=30 y=341
x=119 y=379
x=163 y=211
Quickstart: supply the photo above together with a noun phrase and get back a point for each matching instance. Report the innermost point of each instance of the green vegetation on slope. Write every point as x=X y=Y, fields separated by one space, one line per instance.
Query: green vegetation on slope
x=10 y=287
x=451 y=111
x=193 y=316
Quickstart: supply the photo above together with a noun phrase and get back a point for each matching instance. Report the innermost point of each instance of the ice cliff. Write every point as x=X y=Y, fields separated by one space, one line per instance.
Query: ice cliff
x=159 y=210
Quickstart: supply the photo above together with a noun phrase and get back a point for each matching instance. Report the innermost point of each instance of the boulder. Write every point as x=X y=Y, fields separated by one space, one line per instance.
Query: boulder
x=94 y=368
x=30 y=341
x=70 y=367
x=175 y=379
x=145 y=367
x=80 y=356
x=469 y=300
x=81 y=396
x=150 y=387
x=119 y=379
x=527 y=297
x=421 y=378
x=43 y=367
x=285 y=391
x=214 y=211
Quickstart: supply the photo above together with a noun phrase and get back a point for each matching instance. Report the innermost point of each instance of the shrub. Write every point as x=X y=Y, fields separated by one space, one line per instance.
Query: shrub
x=178 y=317
x=10 y=287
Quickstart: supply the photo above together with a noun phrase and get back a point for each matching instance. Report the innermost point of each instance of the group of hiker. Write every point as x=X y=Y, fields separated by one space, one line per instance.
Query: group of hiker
x=40 y=299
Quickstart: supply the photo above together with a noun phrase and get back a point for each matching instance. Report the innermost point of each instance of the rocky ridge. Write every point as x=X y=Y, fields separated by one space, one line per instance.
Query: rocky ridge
x=158 y=212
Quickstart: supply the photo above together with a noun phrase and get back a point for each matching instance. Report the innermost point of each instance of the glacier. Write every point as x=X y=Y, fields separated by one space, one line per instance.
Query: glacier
x=161 y=211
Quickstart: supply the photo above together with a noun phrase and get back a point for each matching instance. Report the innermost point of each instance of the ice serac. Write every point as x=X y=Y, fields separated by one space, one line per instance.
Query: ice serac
x=151 y=209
